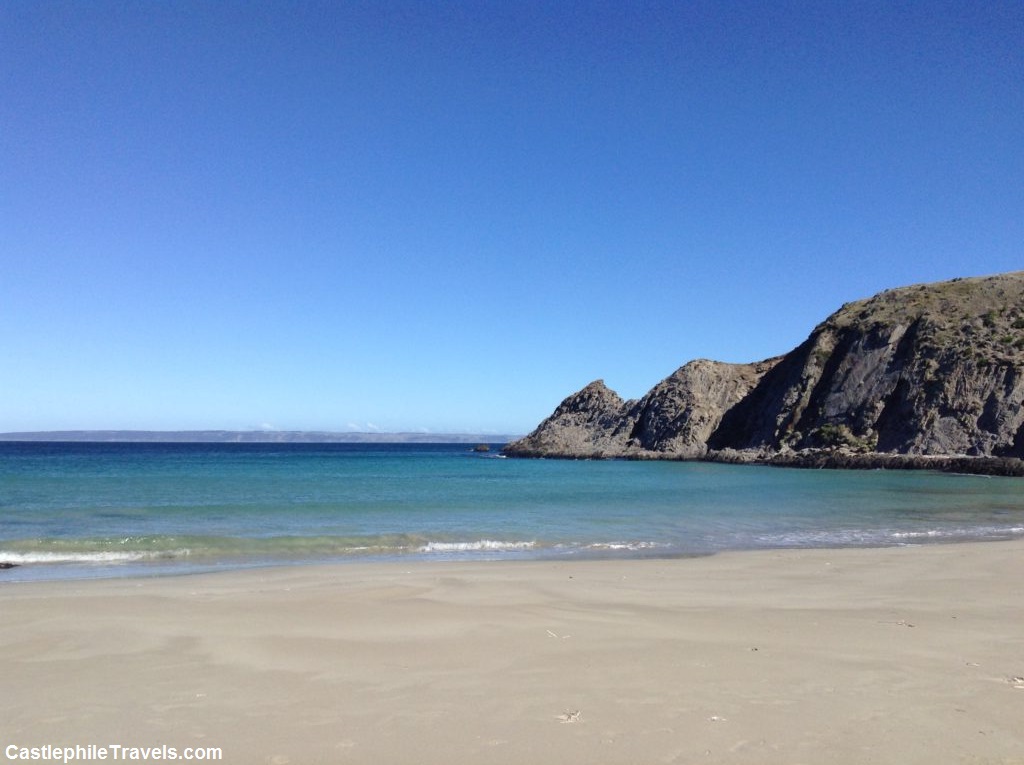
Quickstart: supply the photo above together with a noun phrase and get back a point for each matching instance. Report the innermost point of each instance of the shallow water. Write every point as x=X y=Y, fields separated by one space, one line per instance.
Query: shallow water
x=73 y=510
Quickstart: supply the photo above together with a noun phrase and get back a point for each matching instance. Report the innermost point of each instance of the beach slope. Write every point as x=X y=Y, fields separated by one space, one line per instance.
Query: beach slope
x=901 y=655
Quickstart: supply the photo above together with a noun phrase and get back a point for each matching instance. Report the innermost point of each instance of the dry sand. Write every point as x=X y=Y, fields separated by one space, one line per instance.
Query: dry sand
x=905 y=655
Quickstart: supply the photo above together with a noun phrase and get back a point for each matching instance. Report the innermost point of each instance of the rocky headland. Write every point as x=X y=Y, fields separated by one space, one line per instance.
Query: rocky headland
x=926 y=376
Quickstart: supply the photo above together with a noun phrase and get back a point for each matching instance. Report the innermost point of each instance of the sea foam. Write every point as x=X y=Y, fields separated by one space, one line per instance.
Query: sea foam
x=480 y=545
x=105 y=557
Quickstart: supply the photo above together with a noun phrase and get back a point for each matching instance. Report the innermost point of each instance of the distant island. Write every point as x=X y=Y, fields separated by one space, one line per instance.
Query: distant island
x=254 y=437
x=926 y=376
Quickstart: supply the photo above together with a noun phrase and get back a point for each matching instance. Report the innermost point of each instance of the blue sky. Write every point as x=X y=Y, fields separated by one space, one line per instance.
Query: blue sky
x=449 y=216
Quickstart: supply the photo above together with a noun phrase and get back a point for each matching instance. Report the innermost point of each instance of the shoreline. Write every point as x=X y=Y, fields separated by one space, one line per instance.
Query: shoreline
x=891 y=655
x=831 y=459
x=11 y=573
x=814 y=459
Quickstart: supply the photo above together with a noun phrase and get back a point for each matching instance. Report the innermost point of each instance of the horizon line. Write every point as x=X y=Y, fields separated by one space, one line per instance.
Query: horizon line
x=210 y=435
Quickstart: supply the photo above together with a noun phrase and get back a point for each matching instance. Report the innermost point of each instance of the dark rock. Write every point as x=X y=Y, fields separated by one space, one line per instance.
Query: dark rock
x=924 y=371
x=845 y=460
x=592 y=423
x=682 y=411
x=898 y=373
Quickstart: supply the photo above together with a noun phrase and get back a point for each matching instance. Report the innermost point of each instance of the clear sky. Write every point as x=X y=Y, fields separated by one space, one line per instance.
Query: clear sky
x=447 y=216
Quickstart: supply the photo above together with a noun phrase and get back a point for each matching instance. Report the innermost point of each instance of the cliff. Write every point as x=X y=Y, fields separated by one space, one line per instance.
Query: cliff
x=932 y=370
x=675 y=419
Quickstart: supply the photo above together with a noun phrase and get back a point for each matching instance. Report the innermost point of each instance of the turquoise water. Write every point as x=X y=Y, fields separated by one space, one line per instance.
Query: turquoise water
x=83 y=510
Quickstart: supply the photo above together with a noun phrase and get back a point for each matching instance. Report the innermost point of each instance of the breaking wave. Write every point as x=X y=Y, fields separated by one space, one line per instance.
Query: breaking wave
x=481 y=545
x=97 y=556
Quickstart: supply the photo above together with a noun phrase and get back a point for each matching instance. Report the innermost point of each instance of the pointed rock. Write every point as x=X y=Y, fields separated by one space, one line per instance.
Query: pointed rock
x=927 y=370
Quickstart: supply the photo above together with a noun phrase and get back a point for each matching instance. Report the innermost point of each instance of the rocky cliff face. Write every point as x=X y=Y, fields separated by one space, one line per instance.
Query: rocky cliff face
x=932 y=369
x=679 y=415
x=593 y=422
x=675 y=419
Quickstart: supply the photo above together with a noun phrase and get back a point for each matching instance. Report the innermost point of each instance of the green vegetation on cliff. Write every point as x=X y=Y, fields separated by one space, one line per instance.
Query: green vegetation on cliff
x=927 y=370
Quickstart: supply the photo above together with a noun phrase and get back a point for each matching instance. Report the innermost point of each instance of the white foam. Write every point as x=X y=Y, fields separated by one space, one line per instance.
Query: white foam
x=625 y=545
x=484 y=545
x=29 y=558
x=984 y=532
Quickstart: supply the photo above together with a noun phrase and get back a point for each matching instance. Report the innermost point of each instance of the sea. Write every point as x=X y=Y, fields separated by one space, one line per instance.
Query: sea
x=86 y=510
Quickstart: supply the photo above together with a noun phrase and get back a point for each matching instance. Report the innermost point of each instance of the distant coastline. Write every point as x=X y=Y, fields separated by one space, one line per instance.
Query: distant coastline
x=255 y=437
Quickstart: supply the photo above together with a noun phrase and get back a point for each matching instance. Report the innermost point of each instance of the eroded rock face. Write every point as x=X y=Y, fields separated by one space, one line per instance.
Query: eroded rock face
x=674 y=419
x=932 y=369
x=681 y=412
x=593 y=422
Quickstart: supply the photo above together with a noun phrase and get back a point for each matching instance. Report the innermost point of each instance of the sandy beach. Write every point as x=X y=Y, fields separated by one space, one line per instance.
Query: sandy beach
x=900 y=655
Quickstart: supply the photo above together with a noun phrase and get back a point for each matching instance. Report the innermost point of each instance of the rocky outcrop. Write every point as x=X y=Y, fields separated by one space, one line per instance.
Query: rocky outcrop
x=848 y=460
x=594 y=422
x=932 y=369
x=925 y=370
x=675 y=419
x=681 y=412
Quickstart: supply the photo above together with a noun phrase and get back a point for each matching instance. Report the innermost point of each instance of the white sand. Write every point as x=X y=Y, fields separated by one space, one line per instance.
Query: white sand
x=905 y=655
